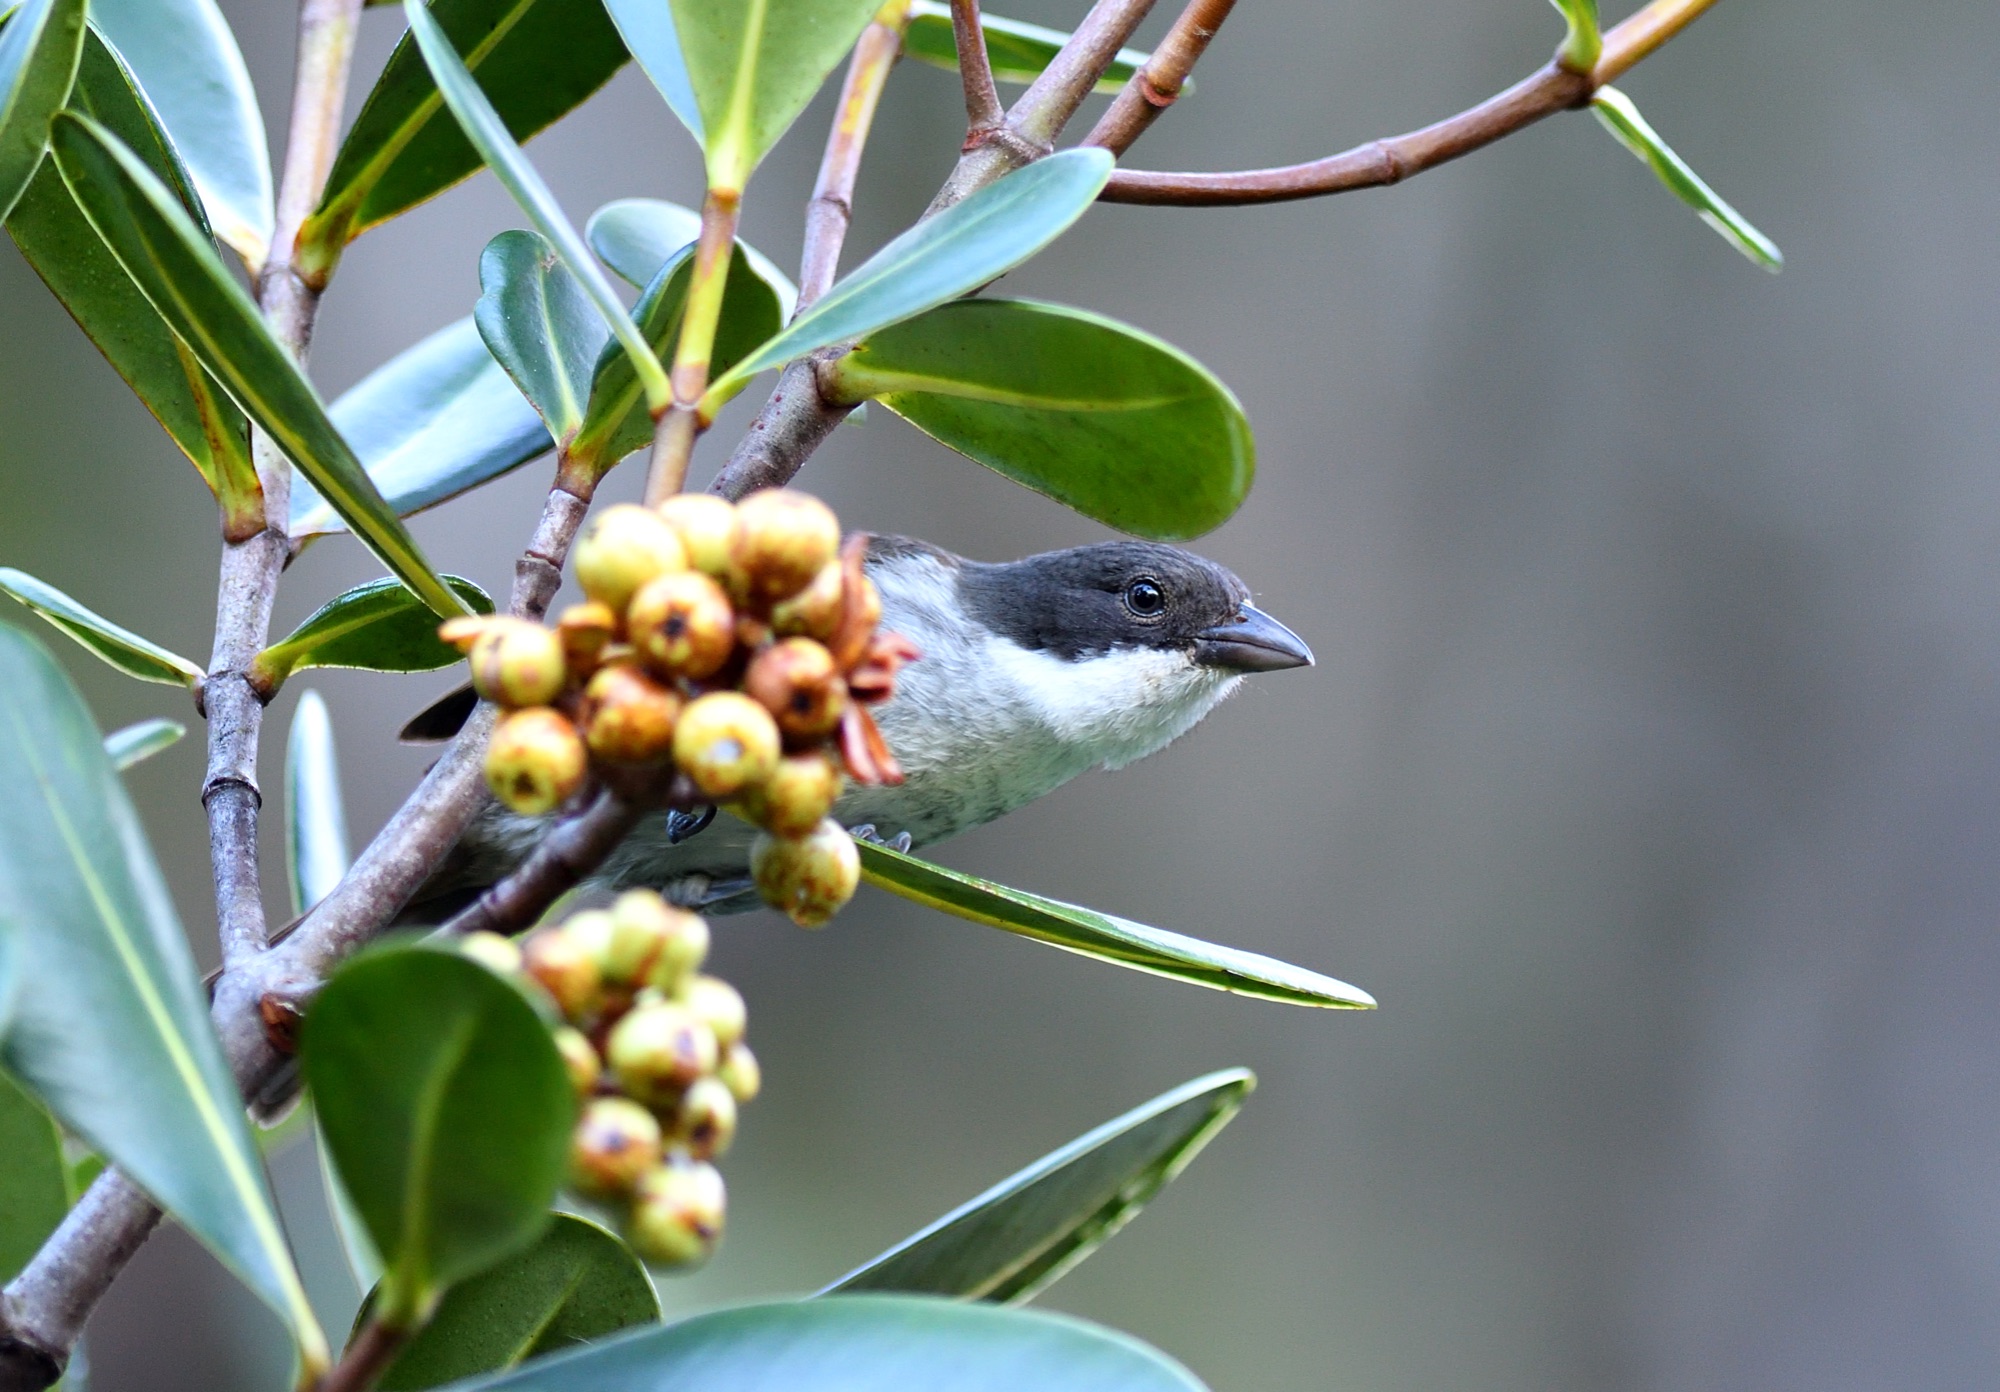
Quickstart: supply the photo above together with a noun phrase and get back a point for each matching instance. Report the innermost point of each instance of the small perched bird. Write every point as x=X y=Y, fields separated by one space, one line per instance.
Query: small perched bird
x=1033 y=671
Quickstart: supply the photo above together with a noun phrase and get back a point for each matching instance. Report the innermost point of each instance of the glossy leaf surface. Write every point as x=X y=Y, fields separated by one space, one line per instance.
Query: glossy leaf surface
x=447 y=1112
x=364 y=1263
x=540 y=59
x=172 y=260
x=952 y=254
x=137 y=743
x=1017 y=51
x=540 y=326
x=859 y=1343
x=376 y=627
x=647 y=26
x=637 y=236
x=39 y=50
x=186 y=58
x=1097 y=415
x=1615 y=112
x=122 y=648
x=577 y=1284
x=437 y=420
x=34 y=1181
x=1103 y=936
x=58 y=241
x=316 y=851
x=1020 y=1236
x=115 y=1037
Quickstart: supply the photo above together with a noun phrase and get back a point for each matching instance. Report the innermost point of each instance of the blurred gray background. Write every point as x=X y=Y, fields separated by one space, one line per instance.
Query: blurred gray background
x=1650 y=774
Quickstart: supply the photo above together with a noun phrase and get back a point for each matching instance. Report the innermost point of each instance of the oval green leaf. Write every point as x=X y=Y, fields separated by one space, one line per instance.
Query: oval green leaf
x=115 y=1038
x=647 y=26
x=437 y=420
x=187 y=60
x=753 y=65
x=34 y=1181
x=176 y=265
x=39 y=50
x=1104 y=936
x=540 y=326
x=137 y=743
x=1615 y=112
x=859 y=1343
x=58 y=241
x=637 y=236
x=1017 y=51
x=376 y=627
x=364 y=1264
x=576 y=1285
x=941 y=258
x=316 y=852
x=540 y=59
x=1022 y=1235
x=122 y=648
x=447 y=1111
x=1105 y=419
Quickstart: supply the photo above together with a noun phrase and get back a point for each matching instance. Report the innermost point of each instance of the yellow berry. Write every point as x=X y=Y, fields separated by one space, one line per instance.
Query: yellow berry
x=682 y=625
x=808 y=879
x=725 y=743
x=813 y=612
x=616 y=1143
x=740 y=1072
x=564 y=966
x=716 y=1004
x=652 y=942
x=797 y=796
x=658 y=1049
x=627 y=716
x=625 y=547
x=536 y=761
x=783 y=539
x=499 y=955
x=677 y=1213
x=706 y=525
x=704 y=1122
x=517 y=663
x=579 y=1058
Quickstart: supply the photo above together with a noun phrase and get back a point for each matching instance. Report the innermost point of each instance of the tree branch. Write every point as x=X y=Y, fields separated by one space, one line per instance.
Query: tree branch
x=831 y=208
x=577 y=846
x=367 y=1357
x=1396 y=158
x=1157 y=85
x=983 y=112
x=43 y=1310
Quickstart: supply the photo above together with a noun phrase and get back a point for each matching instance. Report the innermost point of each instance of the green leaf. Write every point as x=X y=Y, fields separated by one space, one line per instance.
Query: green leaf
x=1583 y=43
x=576 y=1285
x=1017 y=51
x=9 y=976
x=39 y=51
x=58 y=241
x=136 y=743
x=316 y=853
x=616 y=420
x=539 y=58
x=437 y=420
x=1103 y=936
x=753 y=66
x=647 y=28
x=483 y=126
x=34 y=1181
x=1615 y=112
x=174 y=262
x=540 y=326
x=941 y=258
x=447 y=1111
x=637 y=236
x=1097 y=415
x=859 y=1343
x=122 y=648
x=1022 y=1235
x=187 y=60
x=115 y=1037
x=364 y=1263
x=376 y=627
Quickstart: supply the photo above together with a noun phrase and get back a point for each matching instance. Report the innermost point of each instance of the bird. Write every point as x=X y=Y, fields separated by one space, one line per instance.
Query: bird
x=1032 y=672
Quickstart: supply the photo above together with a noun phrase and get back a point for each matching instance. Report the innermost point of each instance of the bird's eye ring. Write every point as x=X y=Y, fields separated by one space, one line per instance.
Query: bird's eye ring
x=1145 y=598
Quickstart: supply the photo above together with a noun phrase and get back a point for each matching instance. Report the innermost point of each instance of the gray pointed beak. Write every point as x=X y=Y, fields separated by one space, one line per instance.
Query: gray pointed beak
x=1254 y=642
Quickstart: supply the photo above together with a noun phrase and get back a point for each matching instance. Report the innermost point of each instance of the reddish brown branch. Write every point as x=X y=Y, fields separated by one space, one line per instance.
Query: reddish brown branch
x=983 y=112
x=831 y=208
x=1158 y=83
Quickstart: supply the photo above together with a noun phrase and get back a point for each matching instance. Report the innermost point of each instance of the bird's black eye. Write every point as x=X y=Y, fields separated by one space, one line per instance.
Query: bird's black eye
x=1145 y=598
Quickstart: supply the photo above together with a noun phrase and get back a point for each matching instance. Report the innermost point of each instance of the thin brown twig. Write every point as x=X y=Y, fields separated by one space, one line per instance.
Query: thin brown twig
x=577 y=846
x=983 y=112
x=831 y=208
x=365 y=1359
x=1158 y=83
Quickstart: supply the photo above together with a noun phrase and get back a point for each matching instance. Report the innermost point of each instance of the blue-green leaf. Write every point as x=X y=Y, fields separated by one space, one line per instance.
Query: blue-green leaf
x=1018 y=52
x=103 y=639
x=136 y=743
x=637 y=236
x=34 y=1182
x=39 y=50
x=540 y=326
x=316 y=854
x=1615 y=112
x=376 y=627
x=647 y=26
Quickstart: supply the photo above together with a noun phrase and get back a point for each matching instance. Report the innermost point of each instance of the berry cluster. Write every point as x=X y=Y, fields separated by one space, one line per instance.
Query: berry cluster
x=735 y=645
x=655 y=1049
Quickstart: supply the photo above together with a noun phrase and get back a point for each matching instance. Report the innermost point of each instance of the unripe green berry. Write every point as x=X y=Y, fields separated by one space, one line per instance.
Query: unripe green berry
x=516 y=663
x=809 y=879
x=716 y=1004
x=813 y=612
x=536 y=761
x=565 y=967
x=501 y=956
x=706 y=525
x=740 y=1072
x=615 y=1144
x=652 y=942
x=677 y=1213
x=627 y=716
x=579 y=1058
x=658 y=1049
x=704 y=1122
x=796 y=797
x=783 y=538
x=625 y=547
x=796 y=681
x=725 y=743
x=682 y=625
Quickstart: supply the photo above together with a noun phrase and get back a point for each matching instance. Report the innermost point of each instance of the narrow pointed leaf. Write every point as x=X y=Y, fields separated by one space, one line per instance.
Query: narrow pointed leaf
x=1016 y=1239
x=316 y=853
x=540 y=326
x=754 y=64
x=858 y=1343
x=34 y=1181
x=1615 y=112
x=1583 y=43
x=488 y=134
x=447 y=1112
x=173 y=261
x=58 y=241
x=576 y=1285
x=941 y=258
x=186 y=58
x=1104 y=936
x=115 y=1038
x=122 y=648
x=1097 y=415
x=376 y=627
x=540 y=59
x=39 y=50
x=1017 y=51
x=647 y=27
x=137 y=743
x=637 y=236
x=437 y=420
